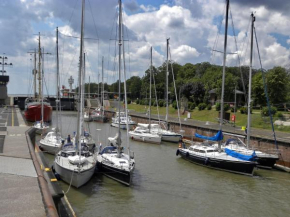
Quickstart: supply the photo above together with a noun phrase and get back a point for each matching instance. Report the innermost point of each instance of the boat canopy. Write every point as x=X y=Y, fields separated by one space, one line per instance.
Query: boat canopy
x=108 y=149
x=217 y=137
x=241 y=156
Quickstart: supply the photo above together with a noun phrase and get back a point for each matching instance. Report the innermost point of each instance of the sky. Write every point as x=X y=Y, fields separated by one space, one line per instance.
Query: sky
x=195 y=29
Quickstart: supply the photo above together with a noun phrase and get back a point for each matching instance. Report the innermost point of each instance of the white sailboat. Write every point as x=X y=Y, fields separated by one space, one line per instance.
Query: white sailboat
x=74 y=163
x=143 y=132
x=52 y=142
x=166 y=134
x=87 y=113
x=41 y=126
x=112 y=161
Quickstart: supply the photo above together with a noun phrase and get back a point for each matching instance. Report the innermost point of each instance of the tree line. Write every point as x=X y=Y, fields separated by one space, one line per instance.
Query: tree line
x=195 y=81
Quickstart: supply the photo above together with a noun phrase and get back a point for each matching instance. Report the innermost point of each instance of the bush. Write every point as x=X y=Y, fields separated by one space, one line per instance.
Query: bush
x=161 y=103
x=137 y=101
x=218 y=106
x=243 y=110
x=226 y=107
x=208 y=107
x=129 y=101
x=280 y=115
x=201 y=106
x=174 y=104
x=265 y=111
x=191 y=105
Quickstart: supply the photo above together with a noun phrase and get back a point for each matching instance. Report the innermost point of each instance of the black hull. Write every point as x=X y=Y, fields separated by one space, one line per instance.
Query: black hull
x=101 y=119
x=239 y=167
x=121 y=176
x=266 y=163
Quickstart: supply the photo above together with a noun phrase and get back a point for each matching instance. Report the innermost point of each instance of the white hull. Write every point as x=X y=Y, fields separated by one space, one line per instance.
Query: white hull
x=49 y=147
x=145 y=137
x=123 y=126
x=170 y=138
x=71 y=174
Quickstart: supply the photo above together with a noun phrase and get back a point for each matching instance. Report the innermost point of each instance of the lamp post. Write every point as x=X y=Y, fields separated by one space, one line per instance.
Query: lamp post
x=4 y=63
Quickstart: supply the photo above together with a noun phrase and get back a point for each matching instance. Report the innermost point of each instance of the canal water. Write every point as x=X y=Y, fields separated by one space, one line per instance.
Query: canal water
x=166 y=185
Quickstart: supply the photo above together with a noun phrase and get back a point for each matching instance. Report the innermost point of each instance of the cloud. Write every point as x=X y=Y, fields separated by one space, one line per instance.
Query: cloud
x=148 y=8
x=131 y=5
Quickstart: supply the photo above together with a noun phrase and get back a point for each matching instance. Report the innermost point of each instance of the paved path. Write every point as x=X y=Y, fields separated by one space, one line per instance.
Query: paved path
x=20 y=194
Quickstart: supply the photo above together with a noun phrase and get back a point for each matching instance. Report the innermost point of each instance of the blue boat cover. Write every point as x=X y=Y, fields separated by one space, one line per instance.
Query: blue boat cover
x=108 y=149
x=241 y=156
x=217 y=137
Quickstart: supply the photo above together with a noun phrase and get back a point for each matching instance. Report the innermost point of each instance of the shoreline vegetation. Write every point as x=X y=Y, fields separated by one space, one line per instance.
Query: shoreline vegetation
x=258 y=121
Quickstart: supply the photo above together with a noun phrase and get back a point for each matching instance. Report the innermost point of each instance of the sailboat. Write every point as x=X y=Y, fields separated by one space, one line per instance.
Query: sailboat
x=74 y=163
x=163 y=129
x=37 y=108
x=112 y=161
x=208 y=154
x=40 y=126
x=265 y=160
x=52 y=142
x=143 y=131
x=87 y=113
x=98 y=114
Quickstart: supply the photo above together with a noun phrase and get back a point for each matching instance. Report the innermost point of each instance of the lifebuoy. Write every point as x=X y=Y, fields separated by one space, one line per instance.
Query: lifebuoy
x=132 y=138
x=177 y=152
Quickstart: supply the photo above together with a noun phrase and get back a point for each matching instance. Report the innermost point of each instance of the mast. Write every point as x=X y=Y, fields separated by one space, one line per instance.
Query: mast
x=42 y=112
x=34 y=73
x=120 y=53
x=39 y=69
x=224 y=70
x=80 y=91
x=89 y=88
x=102 y=92
x=57 y=81
x=167 y=73
x=150 y=90
x=250 y=83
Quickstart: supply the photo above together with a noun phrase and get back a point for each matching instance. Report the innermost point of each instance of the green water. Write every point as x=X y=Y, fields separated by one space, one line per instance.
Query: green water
x=166 y=185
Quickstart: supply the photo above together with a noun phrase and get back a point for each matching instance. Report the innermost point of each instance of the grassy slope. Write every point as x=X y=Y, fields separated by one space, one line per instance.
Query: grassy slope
x=211 y=115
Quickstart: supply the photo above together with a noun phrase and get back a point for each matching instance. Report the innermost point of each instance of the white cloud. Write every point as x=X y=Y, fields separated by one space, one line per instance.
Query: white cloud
x=148 y=8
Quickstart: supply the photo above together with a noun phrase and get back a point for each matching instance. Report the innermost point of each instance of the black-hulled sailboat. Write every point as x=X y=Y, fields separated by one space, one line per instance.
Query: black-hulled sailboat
x=112 y=161
x=210 y=155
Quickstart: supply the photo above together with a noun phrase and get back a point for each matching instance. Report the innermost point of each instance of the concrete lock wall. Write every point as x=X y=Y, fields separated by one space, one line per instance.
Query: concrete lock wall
x=257 y=143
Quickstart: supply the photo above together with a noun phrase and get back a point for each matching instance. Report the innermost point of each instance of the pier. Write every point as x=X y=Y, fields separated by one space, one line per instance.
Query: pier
x=28 y=187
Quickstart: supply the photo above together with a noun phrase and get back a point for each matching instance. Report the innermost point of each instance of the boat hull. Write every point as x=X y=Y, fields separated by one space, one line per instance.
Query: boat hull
x=142 y=138
x=123 y=126
x=171 y=138
x=266 y=162
x=78 y=179
x=101 y=119
x=48 y=147
x=122 y=176
x=239 y=167
x=33 y=113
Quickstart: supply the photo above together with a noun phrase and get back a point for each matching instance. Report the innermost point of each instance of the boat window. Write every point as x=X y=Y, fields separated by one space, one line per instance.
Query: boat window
x=208 y=151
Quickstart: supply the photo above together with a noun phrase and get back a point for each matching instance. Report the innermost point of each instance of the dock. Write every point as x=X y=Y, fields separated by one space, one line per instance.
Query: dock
x=26 y=183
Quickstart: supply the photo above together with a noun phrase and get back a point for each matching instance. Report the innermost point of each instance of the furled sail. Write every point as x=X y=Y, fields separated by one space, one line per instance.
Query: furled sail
x=217 y=137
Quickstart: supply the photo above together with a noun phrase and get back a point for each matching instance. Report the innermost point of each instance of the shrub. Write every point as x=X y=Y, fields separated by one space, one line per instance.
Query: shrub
x=280 y=115
x=129 y=101
x=218 y=106
x=191 y=105
x=208 y=107
x=174 y=104
x=226 y=107
x=243 y=110
x=201 y=106
x=137 y=101
x=265 y=111
x=161 y=103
